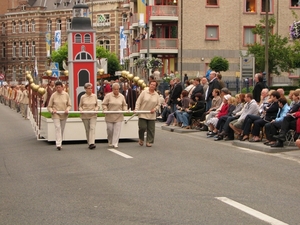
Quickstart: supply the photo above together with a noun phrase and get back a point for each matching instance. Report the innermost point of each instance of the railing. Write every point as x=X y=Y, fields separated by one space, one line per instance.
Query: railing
x=163 y=10
x=135 y=48
x=126 y=26
x=134 y=18
x=160 y=43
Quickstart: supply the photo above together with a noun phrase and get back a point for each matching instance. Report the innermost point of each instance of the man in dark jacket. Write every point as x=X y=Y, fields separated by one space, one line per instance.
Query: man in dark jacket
x=198 y=88
x=213 y=84
x=259 y=85
x=175 y=95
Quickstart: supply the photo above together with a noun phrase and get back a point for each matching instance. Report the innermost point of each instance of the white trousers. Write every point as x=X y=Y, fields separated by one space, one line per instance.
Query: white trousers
x=59 y=130
x=90 y=129
x=113 y=132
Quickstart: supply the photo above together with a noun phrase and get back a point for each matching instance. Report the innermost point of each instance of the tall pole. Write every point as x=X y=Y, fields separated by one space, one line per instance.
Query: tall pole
x=148 y=35
x=181 y=37
x=267 y=43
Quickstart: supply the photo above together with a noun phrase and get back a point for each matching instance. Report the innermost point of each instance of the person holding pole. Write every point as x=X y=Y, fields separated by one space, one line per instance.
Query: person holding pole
x=59 y=101
x=147 y=100
x=88 y=102
x=114 y=101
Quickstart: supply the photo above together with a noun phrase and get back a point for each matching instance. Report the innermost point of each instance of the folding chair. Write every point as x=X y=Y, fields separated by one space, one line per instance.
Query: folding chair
x=290 y=137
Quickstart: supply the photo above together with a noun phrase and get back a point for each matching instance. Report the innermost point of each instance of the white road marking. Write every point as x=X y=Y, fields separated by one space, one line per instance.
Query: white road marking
x=251 y=211
x=120 y=153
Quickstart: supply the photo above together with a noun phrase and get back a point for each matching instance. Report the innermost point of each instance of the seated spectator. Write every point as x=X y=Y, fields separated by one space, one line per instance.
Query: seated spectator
x=227 y=108
x=250 y=108
x=197 y=109
x=270 y=114
x=152 y=35
x=273 y=127
x=166 y=110
x=223 y=123
x=185 y=104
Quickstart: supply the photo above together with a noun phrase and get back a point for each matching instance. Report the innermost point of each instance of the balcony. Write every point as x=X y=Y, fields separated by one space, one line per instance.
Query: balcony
x=162 y=13
x=134 y=20
x=135 y=50
x=126 y=4
x=160 y=45
x=126 y=28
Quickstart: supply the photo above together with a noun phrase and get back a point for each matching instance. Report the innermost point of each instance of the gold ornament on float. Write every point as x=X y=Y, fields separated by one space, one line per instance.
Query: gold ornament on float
x=123 y=73
x=32 y=85
x=144 y=86
x=49 y=73
x=66 y=72
x=28 y=76
x=136 y=79
x=101 y=71
x=41 y=90
x=130 y=76
x=140 y=82
x=30 y=80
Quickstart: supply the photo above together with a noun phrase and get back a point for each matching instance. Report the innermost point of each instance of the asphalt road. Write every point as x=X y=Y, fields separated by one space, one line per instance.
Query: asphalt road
x=182 y=179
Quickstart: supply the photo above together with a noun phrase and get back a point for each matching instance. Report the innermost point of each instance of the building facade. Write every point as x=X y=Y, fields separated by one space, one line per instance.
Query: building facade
x=202 y=29
x=28 y=30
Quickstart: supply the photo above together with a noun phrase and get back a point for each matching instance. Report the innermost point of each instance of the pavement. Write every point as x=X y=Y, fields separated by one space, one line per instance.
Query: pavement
x=258 y=146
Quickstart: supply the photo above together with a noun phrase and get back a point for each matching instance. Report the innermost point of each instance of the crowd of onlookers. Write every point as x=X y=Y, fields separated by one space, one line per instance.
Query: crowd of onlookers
x=202 y=103
x=206 y=105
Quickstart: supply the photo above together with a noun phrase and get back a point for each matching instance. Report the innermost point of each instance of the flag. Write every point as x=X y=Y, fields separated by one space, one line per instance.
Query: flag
x=36 y=72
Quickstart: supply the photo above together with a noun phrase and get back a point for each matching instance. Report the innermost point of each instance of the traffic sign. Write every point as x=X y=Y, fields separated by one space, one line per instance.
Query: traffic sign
x=55 y=69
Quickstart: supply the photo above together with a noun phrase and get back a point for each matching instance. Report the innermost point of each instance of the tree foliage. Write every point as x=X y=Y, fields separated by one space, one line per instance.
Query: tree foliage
x=219 y=64
x=112 y=60
x=281 y=53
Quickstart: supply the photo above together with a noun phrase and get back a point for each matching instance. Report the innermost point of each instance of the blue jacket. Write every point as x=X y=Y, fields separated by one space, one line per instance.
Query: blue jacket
x=282 y=112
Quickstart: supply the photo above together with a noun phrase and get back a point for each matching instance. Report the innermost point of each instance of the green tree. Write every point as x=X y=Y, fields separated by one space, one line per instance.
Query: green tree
x=280 y=52
x=112 y=60
x=219 y=64
x=60 y=54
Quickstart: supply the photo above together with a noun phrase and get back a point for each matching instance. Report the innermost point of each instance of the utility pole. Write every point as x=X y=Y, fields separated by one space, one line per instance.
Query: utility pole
x=181 y=37
x=148 y=35
x=267 y=44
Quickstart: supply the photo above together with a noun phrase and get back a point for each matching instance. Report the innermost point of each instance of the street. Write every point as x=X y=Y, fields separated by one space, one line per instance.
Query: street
x=181 y=179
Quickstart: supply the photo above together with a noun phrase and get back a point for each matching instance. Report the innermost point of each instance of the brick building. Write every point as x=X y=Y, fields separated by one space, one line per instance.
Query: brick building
x=26 y=24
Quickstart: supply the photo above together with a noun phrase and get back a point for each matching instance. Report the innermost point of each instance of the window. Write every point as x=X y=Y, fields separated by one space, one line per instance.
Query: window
x=87 y=38
x=20 y=49
x=105 y=44
x=3 y=50
x=124 y=18
x=77 y=38
x=83 y=56
x=3 y=28
x=26 y=26
x=14 y=27
x=69 y=22
x=249 y=37
x=49 y=25
x=103 y=20
x=295 y=3
x=263 y=6
x=212 y=32
x=26 y=49
x=212 y=2
x=33 y=26
x=250 y=6
x=20 y=27
x=58 y=24
x=14 y=50
x=33 y=49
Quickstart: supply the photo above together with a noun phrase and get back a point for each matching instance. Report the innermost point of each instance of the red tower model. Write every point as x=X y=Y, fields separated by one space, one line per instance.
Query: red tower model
x=81 y=54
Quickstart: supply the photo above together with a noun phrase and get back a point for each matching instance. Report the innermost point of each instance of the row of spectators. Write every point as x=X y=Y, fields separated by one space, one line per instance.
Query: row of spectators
x=206 y=106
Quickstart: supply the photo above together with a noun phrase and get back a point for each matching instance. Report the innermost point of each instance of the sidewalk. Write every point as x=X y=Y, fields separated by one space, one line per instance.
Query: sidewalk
x=258 y=146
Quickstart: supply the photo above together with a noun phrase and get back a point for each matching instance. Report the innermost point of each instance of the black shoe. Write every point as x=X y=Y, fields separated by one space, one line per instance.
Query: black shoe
x=58 y=148
x=278 y=144
x=218 y=138
x=212 y=134
x=204 y=128
x=92 y=146
x=279 y=136
x=228 y=139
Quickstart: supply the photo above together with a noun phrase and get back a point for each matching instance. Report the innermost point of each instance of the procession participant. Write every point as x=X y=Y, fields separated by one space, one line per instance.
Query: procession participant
x=147 y=100
x=25 y=101
x=88 y=102
x=50 y=89
x=59 y=101
x=114 y=101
